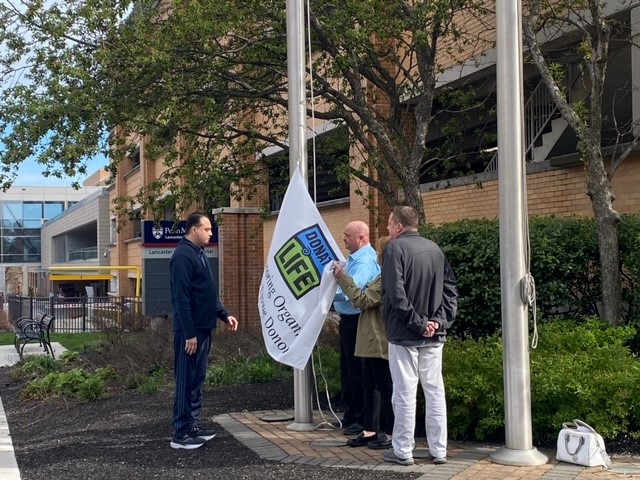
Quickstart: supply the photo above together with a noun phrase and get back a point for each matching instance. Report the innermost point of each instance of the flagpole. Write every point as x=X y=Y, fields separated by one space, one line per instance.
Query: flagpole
x=519 y=450
x=298 y=159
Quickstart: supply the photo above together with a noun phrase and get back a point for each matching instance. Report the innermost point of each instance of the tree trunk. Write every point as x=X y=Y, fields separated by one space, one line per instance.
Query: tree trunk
x=413 y=198
x=607 y=220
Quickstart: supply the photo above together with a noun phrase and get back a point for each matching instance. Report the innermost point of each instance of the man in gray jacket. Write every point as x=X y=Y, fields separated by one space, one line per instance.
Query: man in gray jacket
x=419 y=297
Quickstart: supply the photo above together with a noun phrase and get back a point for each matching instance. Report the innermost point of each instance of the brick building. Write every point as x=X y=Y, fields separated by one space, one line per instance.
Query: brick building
x=555 y=174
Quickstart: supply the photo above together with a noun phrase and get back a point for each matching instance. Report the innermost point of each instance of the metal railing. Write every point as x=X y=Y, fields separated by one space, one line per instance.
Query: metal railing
x=539 y=109
x=83 y=253
x=81 y=314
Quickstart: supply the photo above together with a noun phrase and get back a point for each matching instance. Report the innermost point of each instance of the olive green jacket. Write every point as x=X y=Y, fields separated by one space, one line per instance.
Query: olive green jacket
x=371 y=339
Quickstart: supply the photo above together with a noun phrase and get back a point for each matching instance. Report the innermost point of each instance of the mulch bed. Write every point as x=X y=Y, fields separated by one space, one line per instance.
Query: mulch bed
x=126 y=436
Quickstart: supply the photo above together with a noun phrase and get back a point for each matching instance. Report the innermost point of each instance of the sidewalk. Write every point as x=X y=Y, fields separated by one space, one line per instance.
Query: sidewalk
x=266 y=433
x=9 y=356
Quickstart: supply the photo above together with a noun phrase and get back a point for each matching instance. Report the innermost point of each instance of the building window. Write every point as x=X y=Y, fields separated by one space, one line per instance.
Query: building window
x=137 y=224
x=113 y=231
x=52 y=209
x=12 y=214
x=20 y=232
x=332 y=152
x=135 y=158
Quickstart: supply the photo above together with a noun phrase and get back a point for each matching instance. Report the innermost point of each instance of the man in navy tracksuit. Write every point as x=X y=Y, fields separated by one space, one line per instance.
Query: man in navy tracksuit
x=196 y=308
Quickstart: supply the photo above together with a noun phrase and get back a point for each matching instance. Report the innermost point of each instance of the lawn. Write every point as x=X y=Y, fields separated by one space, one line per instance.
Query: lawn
x=70 y=341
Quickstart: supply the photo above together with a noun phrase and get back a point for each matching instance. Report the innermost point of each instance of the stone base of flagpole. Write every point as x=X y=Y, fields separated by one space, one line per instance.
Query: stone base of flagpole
x=519 y=458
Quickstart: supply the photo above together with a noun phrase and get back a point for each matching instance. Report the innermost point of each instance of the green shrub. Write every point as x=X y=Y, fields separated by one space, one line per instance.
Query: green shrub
x=236 y=370
x=474 y=385
x=629 y=243
x=74 y=383
x=327 y=370
x=69 y=357
x=151 y=382
x=36 y=365
x=585 y=371
x=91 y=388
x=565 y=264
x=473 y=250
x=262 y=369
x=580 y=370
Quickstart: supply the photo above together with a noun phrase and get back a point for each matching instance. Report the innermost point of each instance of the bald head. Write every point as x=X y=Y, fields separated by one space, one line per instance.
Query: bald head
x=355 y=235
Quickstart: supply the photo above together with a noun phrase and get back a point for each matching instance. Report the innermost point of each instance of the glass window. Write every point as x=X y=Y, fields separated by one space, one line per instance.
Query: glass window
x=32 y=211
x=26 y=232
x=113 y=231
x=137 y=225
x=32 y=249
x=32 y=223
x=12 y=213
x=12 y=249
x=52 y=209
x=11 y=245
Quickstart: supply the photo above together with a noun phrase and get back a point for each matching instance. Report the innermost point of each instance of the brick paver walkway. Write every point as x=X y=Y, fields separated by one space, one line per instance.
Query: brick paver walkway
x=325 y=446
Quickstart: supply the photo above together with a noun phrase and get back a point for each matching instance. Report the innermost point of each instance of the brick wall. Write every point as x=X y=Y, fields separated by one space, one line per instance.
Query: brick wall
x=241 y=261
x=560 y=192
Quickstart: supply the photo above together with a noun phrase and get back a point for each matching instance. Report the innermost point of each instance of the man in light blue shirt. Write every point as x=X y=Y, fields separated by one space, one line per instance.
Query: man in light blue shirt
x=362 y=266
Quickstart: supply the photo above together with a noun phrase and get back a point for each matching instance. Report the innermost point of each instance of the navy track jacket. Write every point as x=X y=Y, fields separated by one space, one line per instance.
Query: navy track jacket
x=194 y=295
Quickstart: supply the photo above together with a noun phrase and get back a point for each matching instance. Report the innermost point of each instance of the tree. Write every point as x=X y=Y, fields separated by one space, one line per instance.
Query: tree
x=204 y=84
x=591 y=31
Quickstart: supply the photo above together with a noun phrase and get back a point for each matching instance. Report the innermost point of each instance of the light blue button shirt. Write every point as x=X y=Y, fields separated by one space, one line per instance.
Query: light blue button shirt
x=363 y=267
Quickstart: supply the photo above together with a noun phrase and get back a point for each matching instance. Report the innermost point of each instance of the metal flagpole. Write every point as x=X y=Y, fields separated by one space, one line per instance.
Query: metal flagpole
x=298 y=158
x=517 y=389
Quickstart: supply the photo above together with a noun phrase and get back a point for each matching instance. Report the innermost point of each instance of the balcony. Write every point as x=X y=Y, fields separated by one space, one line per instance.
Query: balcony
x=81 y=254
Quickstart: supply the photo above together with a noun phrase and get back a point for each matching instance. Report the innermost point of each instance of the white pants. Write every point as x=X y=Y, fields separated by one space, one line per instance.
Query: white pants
x=409 y=365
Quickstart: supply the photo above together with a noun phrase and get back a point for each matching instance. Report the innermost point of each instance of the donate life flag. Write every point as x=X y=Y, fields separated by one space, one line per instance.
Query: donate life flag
x=297 y=288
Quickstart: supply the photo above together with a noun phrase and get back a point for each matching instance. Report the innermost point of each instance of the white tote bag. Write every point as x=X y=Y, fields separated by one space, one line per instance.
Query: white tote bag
x=580 y=444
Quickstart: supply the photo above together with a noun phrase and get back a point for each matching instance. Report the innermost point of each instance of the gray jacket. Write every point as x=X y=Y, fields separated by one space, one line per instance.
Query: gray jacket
x=418 y=284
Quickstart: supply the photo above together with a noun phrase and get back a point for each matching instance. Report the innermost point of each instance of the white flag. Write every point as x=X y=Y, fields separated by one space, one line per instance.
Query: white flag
x=297 y=286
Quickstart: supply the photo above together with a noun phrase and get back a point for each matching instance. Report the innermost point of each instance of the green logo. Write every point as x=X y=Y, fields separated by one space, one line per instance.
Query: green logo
x=302 y=259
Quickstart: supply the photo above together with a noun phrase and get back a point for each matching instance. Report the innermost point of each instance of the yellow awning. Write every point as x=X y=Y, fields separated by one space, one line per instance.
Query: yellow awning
x=88 y=276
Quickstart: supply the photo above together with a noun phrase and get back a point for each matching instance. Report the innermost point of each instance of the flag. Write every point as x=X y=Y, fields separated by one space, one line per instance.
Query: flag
x=297 y=286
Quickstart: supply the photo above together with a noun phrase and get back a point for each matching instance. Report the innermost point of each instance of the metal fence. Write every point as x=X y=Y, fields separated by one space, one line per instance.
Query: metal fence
x=81 y=314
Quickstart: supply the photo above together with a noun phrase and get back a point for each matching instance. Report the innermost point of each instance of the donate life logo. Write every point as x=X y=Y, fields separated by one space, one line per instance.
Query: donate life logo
x=302 y=259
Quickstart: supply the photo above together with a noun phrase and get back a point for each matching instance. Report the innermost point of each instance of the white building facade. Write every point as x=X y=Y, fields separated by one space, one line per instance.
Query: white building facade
x=23 y=211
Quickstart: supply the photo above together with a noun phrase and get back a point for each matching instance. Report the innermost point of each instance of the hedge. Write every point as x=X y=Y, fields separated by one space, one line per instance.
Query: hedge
x=564 y=264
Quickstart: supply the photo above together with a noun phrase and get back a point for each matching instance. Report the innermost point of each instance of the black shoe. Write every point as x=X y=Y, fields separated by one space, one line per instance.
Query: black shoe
x=382 y=443
x=205 y=434
x=361 y=440
x=187 y=442
x=342 y=424
x=353 y=429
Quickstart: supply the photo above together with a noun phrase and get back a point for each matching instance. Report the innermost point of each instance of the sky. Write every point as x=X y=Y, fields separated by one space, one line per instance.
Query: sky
x=30 y=174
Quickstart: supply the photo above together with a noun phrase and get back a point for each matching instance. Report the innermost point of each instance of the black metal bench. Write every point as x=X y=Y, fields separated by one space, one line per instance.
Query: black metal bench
x=34 y=330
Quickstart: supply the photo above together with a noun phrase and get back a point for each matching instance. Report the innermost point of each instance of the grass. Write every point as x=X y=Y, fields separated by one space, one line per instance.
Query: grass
x=70 y=341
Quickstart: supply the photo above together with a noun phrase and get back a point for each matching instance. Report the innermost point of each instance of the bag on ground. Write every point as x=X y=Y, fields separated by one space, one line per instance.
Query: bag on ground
x=580 y=444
